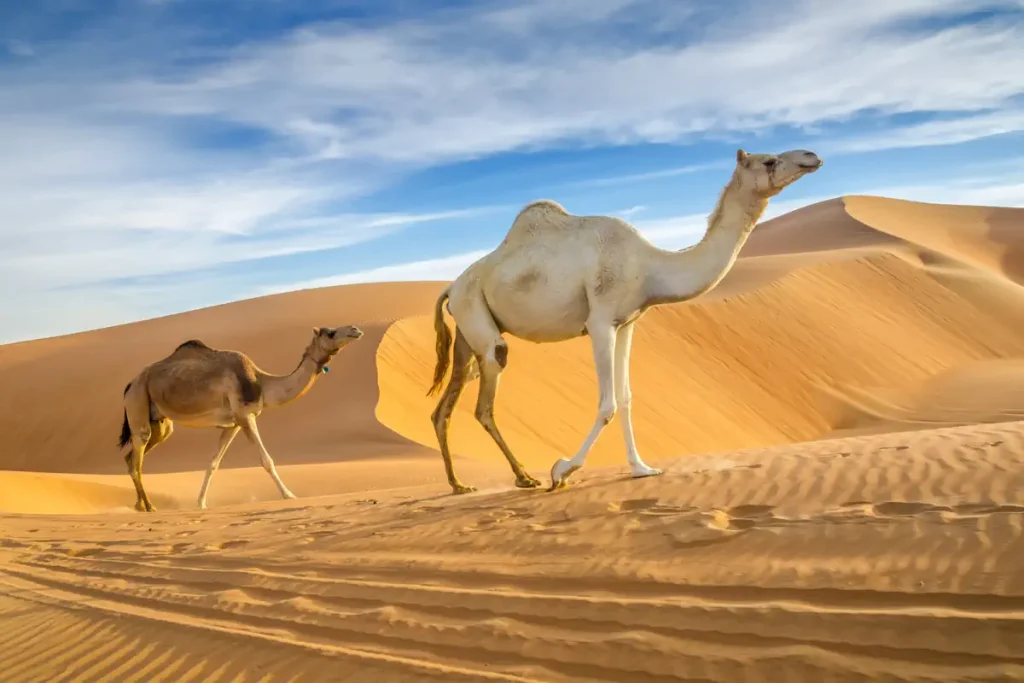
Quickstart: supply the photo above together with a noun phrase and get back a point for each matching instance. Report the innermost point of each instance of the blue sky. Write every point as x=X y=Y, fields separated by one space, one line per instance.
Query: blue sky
x=164 y=155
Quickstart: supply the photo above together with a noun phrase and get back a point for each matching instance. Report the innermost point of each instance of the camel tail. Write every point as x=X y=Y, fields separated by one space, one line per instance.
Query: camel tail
x=443 y=345
x=126 y=430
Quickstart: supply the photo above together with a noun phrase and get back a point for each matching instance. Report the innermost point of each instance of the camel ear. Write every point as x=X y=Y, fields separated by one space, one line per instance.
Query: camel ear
x=741 y=156
x=316 y=331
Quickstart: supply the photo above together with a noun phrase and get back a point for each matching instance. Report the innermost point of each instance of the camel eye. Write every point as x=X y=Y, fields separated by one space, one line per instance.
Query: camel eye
x=770 y=163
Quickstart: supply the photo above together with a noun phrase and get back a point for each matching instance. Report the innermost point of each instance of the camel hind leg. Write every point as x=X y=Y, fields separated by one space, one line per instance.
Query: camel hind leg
x=462 y=357
x=137 y=413
x=490 y=373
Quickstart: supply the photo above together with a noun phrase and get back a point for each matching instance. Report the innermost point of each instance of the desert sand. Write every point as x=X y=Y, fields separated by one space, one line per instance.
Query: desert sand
x=841 y=425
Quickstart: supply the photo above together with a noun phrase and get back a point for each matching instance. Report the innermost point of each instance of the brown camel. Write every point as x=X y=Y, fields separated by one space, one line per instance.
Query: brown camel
x=198 y=386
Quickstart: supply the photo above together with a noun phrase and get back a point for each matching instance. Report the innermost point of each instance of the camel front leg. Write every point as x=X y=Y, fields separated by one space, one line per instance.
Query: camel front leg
x=602 y=340
x=624 y=400
x=226 y=437
x=268 y=463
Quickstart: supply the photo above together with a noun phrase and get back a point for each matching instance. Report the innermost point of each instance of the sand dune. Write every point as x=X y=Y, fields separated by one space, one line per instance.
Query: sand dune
x=874 y=558
x=841 y=424
x=820 y=310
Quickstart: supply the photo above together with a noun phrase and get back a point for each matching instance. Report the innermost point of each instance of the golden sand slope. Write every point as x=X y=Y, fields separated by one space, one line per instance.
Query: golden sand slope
x=61 y=399
x=893 y=557
x=828 y=305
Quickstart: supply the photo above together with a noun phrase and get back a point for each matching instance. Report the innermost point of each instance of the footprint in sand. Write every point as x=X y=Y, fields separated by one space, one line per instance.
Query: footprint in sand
x=982 y=445
x=752 y=511
x=710 y=527
x=840 y=454
x=498 y=516
x=907 y=509
x=648 y=506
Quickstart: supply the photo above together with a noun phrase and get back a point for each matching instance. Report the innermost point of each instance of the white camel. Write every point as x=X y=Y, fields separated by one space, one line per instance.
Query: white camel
x=557 y=276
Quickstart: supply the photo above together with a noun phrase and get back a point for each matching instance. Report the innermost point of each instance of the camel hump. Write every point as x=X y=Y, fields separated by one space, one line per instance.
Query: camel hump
x=193 y=344
x=536 y=219
x=545 y=206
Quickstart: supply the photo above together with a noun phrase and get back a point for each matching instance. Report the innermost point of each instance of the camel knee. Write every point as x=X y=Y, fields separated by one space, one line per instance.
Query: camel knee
x=495 y=358
x=485 y=415
x=142 y=435
x=441 y=415
x=501 y=355
x=606 y=411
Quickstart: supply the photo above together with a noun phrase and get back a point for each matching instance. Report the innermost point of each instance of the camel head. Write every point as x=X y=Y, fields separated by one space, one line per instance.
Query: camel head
x=327 y=341
x=768 y=174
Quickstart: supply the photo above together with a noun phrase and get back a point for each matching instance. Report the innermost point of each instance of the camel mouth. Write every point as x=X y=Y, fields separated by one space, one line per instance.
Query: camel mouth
x=811 y=167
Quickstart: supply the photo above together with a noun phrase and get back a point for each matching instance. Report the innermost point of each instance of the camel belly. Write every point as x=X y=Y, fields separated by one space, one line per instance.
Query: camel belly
x=215 y=418
x=557 y=317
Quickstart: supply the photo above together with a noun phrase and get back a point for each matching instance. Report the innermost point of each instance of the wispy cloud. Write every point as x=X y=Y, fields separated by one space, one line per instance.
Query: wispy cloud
x=631 y=211
x=647 y=176
x=679 y=232
x=19 y=48
x=421 y=91
x=446 y=268
x=933 y=133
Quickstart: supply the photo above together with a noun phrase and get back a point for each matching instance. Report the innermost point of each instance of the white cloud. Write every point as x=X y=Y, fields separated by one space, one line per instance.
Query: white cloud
x=20 y=48
x=631 y=211
x=933 y=133
x=419 y=92
x=679 y=232
x=446 y=268
x=615 y=181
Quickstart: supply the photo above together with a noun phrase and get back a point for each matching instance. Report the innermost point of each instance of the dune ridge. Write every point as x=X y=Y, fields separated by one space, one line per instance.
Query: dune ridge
x=840 y=426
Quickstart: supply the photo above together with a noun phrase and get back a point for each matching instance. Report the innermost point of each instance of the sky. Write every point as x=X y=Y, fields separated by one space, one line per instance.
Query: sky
x=158 y=156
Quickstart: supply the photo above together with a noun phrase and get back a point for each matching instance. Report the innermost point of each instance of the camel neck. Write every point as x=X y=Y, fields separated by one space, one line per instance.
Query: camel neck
x=281 y=389
x=682 y=275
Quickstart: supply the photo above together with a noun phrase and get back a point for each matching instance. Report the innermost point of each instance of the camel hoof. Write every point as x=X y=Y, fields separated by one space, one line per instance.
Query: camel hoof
x=460 y=488
x=560 y=473
x=527 y=482
x=639 y=471
x=290 y=496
